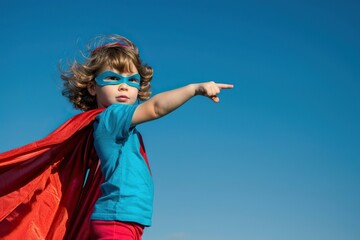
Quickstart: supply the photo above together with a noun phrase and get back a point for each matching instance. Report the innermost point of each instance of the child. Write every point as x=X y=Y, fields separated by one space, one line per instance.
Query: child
x=112 y=81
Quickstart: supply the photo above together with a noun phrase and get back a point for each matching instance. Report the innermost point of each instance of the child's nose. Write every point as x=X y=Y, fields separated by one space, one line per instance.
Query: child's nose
x=123 y=86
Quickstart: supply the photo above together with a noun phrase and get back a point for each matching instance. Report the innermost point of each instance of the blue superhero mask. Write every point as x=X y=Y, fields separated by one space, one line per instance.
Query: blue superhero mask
x=112 y=78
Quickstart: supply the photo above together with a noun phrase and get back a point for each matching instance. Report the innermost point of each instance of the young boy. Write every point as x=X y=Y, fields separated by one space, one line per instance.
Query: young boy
x=113 y=79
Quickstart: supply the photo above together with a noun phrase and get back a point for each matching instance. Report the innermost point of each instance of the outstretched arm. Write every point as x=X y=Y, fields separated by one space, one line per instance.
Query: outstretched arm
x=166 y=102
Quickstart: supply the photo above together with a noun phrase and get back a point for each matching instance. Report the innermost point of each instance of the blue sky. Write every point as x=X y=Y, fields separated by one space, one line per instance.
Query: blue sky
x=279 y=156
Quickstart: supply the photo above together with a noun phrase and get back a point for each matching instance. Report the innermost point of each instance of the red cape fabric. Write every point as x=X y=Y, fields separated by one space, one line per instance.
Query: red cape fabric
x=42 y=190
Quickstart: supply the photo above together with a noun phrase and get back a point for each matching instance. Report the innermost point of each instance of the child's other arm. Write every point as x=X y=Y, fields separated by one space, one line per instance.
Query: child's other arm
x=166 y=102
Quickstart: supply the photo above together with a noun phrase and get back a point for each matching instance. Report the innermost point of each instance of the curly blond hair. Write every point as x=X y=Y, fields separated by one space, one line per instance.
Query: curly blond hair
x=109 y=51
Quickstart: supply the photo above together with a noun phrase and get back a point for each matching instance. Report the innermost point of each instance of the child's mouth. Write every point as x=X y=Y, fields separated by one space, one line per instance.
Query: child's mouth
x=122 y=98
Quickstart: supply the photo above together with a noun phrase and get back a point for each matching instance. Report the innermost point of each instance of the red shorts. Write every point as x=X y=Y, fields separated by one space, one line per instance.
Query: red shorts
x=109 y=230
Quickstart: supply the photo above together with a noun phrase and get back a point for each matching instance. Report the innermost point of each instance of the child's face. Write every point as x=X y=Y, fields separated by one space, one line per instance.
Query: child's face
x=115 y=94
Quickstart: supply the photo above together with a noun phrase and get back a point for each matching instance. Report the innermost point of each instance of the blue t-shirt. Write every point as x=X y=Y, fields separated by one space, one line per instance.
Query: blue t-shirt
x=127 y=190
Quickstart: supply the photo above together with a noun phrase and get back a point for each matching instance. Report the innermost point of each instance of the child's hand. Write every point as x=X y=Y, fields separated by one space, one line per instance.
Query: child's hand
x=211 y=89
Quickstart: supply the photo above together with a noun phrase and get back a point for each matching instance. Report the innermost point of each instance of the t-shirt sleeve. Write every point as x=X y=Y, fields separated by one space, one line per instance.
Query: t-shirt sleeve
x=116 y=120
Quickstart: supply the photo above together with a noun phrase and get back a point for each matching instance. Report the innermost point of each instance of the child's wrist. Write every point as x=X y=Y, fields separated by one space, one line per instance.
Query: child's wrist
x=195 y=89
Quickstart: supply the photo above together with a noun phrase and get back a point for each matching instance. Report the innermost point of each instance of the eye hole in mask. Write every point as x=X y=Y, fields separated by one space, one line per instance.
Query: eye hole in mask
x=112 y=78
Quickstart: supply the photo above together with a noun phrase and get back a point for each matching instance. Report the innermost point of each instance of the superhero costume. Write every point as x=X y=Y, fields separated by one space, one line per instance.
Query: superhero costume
x=48 y=188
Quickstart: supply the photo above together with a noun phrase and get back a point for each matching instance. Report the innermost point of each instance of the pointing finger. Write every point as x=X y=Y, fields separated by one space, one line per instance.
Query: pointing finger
x=225 y=86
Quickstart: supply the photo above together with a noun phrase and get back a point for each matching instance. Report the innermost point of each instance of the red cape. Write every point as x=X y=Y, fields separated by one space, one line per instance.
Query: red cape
x=42 y=190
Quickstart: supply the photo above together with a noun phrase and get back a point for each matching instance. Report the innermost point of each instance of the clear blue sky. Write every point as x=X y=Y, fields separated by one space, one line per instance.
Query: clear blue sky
x=277 y=159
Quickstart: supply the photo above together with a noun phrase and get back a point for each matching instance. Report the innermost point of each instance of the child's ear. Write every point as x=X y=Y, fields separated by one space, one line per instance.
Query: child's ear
x=91 y=89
